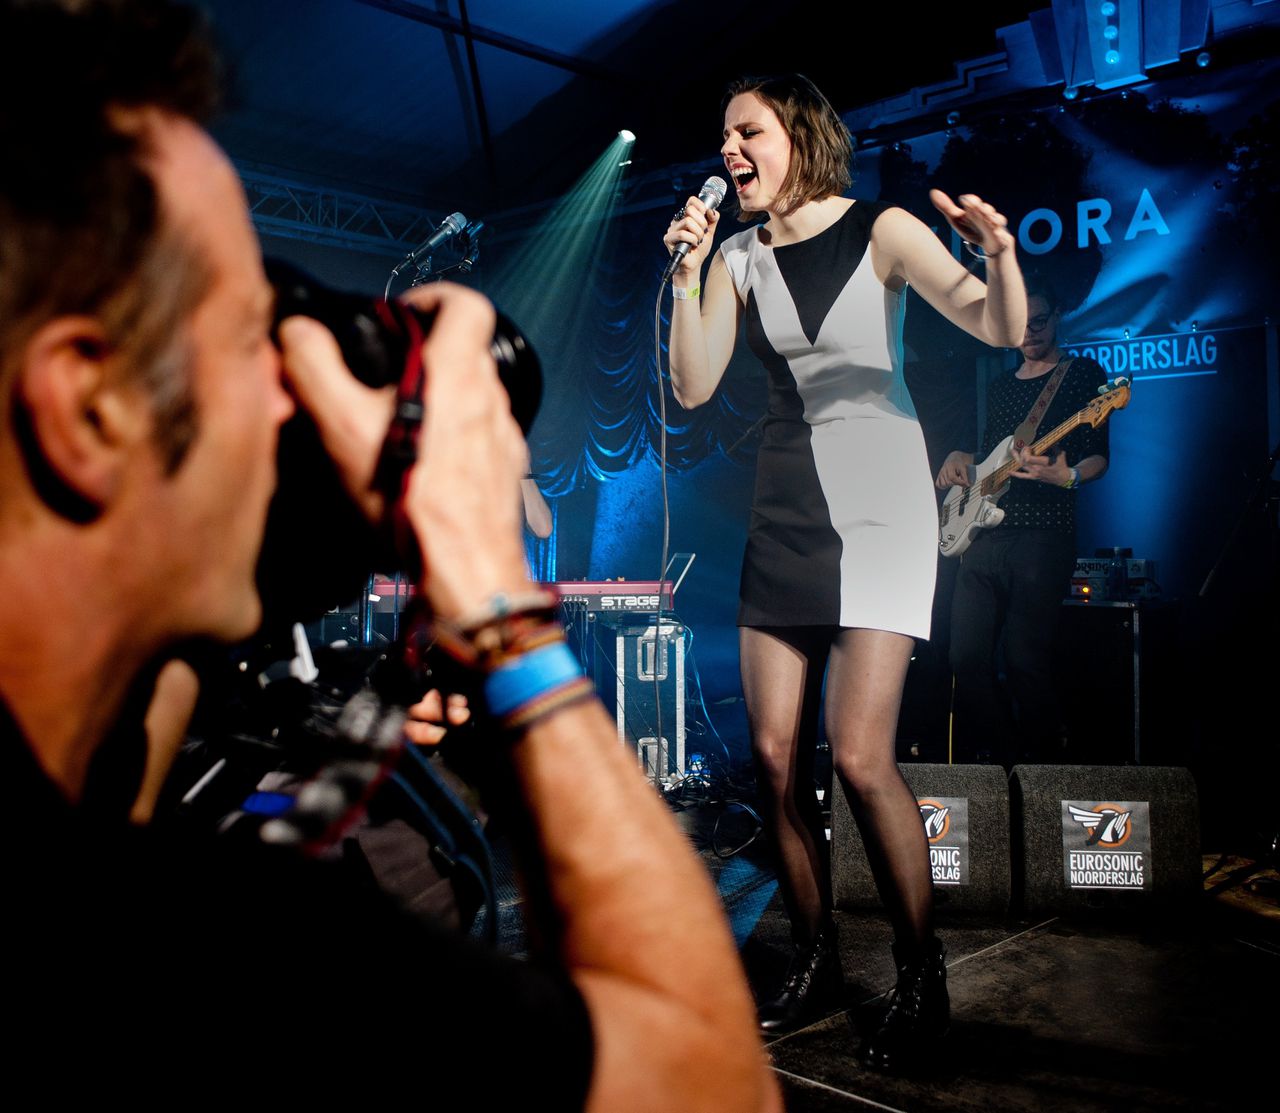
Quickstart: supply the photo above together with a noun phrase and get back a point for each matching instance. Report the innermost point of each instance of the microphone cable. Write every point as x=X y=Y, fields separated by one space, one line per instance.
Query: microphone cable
x=712 y=193
x=666 y=537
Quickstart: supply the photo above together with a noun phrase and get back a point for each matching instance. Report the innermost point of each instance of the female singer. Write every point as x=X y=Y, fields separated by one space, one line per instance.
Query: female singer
x=838 y=575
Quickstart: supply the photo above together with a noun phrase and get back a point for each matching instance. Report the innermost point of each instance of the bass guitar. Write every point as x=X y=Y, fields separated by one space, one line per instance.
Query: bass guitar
x=966 y=510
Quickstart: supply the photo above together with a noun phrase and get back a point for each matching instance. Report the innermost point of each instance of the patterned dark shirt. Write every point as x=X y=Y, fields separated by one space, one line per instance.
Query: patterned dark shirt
x=1030 y=504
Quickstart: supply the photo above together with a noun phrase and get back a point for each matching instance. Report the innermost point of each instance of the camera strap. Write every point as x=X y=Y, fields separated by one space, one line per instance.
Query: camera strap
x=400 y=445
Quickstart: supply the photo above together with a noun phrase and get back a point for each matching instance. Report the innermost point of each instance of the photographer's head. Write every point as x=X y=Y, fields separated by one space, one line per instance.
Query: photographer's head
x=80 y=226
x=139 y=392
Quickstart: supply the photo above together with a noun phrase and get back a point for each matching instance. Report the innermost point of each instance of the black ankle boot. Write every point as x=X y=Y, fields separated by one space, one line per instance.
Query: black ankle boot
x=813 y=979
x=919 y=1010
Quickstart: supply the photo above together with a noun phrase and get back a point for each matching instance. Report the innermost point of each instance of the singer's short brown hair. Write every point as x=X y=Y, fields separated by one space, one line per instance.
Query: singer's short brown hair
x=821 y=147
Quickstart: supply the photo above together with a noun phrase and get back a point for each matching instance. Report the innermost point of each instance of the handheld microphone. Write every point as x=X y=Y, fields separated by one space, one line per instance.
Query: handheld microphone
x=713 y=191
x=449 y=227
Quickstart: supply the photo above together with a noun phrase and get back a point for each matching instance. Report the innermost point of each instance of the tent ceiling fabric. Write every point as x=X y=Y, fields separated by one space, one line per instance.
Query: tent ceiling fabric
x=369 y=95
x=394 y=100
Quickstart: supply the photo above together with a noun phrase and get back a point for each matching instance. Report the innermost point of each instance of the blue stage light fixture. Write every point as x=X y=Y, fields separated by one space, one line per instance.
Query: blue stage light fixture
x=627 y=136
x=1113 y=57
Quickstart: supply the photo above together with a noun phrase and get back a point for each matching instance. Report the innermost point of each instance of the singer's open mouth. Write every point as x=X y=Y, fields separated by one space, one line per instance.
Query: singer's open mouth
x=742 y=176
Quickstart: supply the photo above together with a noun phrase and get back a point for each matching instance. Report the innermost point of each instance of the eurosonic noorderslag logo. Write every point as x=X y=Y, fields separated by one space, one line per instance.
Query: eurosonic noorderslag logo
x=946 y=826
x=1106 y=845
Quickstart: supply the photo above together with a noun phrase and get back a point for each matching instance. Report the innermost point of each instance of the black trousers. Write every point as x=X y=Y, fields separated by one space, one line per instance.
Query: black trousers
x=1004 y=621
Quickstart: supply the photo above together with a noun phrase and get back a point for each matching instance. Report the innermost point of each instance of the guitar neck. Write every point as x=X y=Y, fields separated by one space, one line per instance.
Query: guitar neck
x=1000 y=476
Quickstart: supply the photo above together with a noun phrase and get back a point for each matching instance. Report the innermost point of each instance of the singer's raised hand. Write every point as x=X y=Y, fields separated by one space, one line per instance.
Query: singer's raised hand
x=695 y=225
x=975 y=221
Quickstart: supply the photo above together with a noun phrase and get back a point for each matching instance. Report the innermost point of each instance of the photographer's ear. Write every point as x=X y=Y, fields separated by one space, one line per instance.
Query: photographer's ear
x=80 y=419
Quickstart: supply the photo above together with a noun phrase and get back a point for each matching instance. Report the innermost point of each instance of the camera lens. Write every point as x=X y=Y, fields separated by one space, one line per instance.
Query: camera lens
x=375 y=340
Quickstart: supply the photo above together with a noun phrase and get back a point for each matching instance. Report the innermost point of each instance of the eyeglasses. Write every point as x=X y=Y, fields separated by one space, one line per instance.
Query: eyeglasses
x=1037 y=324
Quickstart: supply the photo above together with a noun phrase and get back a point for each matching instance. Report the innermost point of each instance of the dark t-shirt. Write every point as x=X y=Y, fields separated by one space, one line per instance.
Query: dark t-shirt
x=166 y=970
x=1030 y=504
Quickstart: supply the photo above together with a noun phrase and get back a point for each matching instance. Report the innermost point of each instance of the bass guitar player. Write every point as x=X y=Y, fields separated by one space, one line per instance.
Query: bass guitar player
x=1014 y=576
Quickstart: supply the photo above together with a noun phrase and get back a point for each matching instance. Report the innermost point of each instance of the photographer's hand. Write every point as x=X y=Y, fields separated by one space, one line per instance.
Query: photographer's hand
x=463 y=494
x=352 y=418
x=431 y=717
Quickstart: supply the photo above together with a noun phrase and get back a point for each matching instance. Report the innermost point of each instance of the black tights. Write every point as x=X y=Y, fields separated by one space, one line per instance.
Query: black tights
x=782 y=677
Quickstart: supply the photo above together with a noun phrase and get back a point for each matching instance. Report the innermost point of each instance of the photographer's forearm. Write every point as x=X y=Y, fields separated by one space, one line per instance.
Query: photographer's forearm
x=640 y=926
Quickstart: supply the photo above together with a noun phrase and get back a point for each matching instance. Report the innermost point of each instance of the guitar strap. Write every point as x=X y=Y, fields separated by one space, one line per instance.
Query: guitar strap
x=1025 y=433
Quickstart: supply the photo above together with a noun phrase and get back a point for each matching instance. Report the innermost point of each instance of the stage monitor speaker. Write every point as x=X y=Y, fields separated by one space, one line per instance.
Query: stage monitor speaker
x=1096 y=837
x=635 y=668
x=965 y=812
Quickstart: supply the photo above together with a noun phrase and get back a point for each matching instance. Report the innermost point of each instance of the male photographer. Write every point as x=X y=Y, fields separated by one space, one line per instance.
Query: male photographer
x=140 y=402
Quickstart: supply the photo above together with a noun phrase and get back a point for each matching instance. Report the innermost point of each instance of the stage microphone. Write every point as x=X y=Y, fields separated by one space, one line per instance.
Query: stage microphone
x=472 y=234
x=449 y=227
x=713 y=191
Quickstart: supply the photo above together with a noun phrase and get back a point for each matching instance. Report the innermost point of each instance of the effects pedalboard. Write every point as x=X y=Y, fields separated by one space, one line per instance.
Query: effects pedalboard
x=1114 y=579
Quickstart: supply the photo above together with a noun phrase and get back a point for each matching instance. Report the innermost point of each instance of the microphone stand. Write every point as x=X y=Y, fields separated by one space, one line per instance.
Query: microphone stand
x=449 y=229
x=426 y=273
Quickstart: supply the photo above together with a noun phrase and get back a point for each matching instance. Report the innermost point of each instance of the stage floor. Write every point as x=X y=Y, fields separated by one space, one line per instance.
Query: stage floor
x=1055 y=1014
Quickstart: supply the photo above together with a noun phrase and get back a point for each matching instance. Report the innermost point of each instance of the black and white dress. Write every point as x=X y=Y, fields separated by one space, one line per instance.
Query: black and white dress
x=844 y=526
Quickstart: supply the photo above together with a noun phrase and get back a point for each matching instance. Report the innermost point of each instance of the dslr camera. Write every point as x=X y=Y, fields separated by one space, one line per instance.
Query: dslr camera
x=319 y=549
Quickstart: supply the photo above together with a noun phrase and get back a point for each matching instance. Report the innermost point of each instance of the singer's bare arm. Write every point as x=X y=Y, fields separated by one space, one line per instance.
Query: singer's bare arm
x=703 y=329
x=537 y=514
x=904 y=249
x=631 y=901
